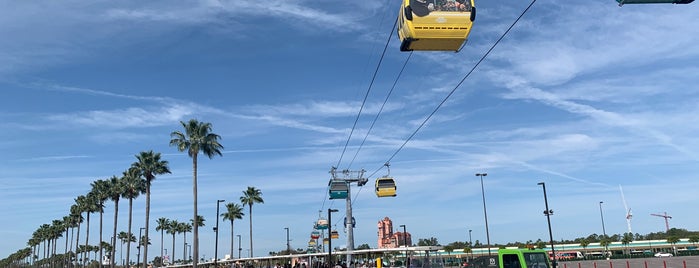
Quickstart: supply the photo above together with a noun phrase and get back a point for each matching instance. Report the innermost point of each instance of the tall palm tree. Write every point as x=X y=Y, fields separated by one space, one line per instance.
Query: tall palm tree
x=76 y=219
x=92 y=205
x=78 y=208
x=196 y=138
x=100 y=188
x=116 y=189
x=125 y=237
x=149 y=165
x=172 y=229
x=250 y=197
x=162 y=227
x=233 y=212
x=134 y=185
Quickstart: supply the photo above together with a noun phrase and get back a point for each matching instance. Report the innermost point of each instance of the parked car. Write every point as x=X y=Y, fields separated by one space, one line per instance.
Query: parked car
x=663 y=254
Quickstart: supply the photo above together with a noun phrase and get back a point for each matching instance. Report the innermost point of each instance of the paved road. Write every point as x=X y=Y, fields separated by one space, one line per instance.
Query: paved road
x=670 y=262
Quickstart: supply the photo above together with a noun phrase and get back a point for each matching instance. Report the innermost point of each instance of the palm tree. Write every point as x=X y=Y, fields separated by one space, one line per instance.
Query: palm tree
x=125 y=238
x=149 y=165
x=197 y=138
x=626 y=240
x=233 y=212
x=116 y=189
x=134 y=185
x=162 y=227
x=185 y=228
x=100 y=189
x=172 y=229
x=92 y=205
x=673 y=239
x=584 y=243
x=78 y=208
x=250 y=197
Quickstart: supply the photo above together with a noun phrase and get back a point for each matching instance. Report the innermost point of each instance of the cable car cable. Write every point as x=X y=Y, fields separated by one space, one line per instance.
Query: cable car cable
x=376 y=118
x=373 y=78
x=457 y=86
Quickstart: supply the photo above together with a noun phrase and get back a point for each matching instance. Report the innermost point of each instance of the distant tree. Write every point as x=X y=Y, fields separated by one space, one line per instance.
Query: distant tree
x=540 y=244
x=694 y=239
x=363 y=246
x=626 y=240
x=584 y=243
x=428 y=242
x=673 y=240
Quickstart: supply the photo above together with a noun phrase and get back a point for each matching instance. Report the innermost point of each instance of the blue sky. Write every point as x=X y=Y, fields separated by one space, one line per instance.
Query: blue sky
x=582 y=95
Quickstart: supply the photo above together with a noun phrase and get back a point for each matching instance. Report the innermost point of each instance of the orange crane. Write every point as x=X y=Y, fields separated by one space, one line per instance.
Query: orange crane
x=664 y=215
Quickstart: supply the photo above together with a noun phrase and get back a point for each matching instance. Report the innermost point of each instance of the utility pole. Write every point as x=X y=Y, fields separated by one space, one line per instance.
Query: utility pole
x=349 y=177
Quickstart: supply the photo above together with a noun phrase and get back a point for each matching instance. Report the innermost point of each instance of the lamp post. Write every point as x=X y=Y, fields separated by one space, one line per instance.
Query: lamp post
x=485 y=213
x=288 y=246
x=330 y=240
x=138 y=255
x=470 y=242
x=218 y=202
x=604 y=232
x=239 y=247
x=548 y=212
x=163 y=257
x=189 y=248
x=405 y=243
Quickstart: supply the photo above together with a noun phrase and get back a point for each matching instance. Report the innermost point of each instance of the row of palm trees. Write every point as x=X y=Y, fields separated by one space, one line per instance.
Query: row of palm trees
x=134 y=181
x=195 y=139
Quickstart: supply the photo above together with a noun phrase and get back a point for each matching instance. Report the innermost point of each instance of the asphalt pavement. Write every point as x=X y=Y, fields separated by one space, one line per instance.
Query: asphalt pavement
x=666 y=262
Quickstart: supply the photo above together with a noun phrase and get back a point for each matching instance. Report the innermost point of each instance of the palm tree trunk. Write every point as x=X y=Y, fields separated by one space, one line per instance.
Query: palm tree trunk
x=145 y=247
x=250 y=212
x=232 y=239
x=114 y=232
x=101 y=214
x=173 y=247
x=86 y=255
x=128 y=243
x=162 y=233
x=77 y=243
x=195 y=242
x=66 y=247
x=72 y=232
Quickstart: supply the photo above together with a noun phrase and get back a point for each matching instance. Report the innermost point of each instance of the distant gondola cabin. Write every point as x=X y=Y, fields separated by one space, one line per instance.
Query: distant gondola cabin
x=338 y=189
x=385 y=187
x=435 y=25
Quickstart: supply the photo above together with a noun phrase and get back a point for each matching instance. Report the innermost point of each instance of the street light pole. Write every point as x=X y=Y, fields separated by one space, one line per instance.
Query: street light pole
x=405 y=243
x=604 y=232
x=470 y=242
x=138 y=255
x=218 y=202
x=189 y=248
x=330 y=240
x=239 y=247
x=548 y=212
x=485 y=213
x=288 y=246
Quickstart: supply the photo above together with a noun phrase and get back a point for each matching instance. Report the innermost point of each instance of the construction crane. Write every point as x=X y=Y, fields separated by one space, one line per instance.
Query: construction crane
x=664 y=215
x=629 y=215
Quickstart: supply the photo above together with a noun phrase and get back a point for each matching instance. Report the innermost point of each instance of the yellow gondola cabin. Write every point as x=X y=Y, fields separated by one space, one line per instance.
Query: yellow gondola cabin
x=439 y=25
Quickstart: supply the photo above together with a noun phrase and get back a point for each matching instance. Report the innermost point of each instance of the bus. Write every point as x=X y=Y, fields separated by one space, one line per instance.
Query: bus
x=566 y=255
